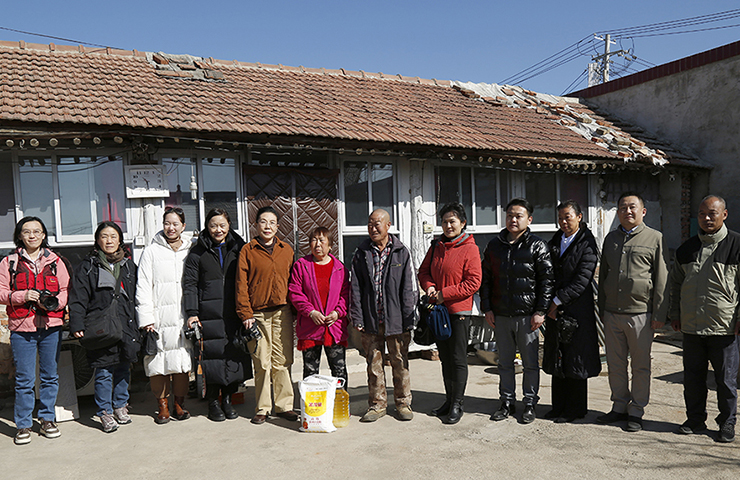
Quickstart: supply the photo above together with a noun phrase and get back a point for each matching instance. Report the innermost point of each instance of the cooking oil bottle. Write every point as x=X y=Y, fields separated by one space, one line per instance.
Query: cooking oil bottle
x=341 y=406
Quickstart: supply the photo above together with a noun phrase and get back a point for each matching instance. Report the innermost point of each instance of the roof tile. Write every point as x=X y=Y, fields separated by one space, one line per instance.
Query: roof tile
x=123 y=89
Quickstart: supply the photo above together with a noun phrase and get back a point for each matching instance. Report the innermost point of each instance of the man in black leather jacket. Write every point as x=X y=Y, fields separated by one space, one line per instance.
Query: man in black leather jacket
x=515 y=293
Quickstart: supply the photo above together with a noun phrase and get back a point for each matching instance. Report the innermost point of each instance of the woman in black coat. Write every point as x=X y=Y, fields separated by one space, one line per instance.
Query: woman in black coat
x=108 y=268
x=209 y=295
x=574 y=255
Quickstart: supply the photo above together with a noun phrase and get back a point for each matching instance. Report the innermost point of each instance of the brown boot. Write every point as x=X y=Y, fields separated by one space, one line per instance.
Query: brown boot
x=180 y=413
x=164 y=411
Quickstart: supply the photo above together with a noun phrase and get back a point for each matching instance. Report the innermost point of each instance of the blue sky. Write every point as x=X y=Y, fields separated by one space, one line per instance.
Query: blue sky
x=479 y=41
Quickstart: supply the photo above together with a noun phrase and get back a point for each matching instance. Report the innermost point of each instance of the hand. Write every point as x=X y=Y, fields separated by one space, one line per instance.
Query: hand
x=331 y=318
x=552 y=312
x=440 y=298
x=32 y=296
x=193 y=320
x=317 y=317
x=537 y=321
x=359 y=328
x=655 y=325
x=148 y=328
x=676 y=324
x=491 y=319
x=248 y=323
x=79 y=334
x=432 y=294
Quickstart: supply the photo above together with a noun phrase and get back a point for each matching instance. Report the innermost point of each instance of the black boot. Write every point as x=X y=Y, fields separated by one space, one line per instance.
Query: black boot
x=228 y=408
x=214 y=409
x=444 y=409
x=456 y=412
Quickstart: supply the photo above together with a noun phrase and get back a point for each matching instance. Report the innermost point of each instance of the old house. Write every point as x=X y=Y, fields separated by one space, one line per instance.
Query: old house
x=693 y=103
x=98 y=134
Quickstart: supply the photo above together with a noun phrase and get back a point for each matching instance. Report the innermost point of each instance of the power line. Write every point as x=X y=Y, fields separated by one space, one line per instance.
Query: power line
x=686 y=31
x=554 y=58
x=702 y=19
x=59 y=38
x=575 y=82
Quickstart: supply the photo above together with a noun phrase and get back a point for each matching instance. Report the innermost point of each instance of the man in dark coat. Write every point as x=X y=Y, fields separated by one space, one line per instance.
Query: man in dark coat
x=383 y=307
x=515 y=293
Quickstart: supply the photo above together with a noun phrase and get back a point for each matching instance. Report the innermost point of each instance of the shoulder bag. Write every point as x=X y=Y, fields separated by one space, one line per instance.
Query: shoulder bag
x=103 y=327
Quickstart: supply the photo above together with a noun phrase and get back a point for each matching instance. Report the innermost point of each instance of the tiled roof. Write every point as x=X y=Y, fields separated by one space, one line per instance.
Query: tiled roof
x=628 y=142
x=70 y=86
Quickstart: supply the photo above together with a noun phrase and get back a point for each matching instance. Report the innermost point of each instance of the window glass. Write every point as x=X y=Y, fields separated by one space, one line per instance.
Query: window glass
x=486 y=202
x=453 y=185
x=540 y=191
x=7 y=199
x=575 y=187
x=178 y=172
x=37 y=191
x=350 y=244
x=356 y=193
x=219 y=186
x=91 y=190
x=383 y=187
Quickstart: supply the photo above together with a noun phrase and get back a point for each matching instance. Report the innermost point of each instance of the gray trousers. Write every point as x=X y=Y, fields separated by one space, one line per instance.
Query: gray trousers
x=628 y=335
x=513 y=332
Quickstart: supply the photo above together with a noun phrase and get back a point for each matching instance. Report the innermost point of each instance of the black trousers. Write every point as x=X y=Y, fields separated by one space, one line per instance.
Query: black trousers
x=453 y=354
x=569 y=397
x=721 y=351
x=335 y=355
x=213 y=390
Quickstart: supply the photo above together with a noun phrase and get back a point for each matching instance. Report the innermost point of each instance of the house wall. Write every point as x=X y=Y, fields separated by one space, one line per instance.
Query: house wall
x=697 y=111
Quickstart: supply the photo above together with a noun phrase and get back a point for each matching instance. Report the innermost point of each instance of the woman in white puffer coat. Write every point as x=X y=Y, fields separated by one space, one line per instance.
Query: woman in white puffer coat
x=159 y=308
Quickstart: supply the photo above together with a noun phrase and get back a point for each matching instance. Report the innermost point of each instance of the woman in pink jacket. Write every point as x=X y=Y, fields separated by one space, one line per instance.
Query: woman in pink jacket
x=319 y=290
x=451 y=274
x=33 y=285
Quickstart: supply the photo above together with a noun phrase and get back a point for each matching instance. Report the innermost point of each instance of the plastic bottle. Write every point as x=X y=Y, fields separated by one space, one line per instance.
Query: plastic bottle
x=341 y=406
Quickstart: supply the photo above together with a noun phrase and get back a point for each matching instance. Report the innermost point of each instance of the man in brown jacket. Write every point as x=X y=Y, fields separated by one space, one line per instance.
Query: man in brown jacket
x=262 y=299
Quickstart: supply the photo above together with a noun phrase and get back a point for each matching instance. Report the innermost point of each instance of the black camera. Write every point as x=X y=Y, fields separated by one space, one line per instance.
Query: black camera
x=193 y=333
x=48 y=300
x=251 y=333
x=245 y=335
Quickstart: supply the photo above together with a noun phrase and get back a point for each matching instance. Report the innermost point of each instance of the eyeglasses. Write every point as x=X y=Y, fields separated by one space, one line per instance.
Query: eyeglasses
x=271 y=223
x=28 y=233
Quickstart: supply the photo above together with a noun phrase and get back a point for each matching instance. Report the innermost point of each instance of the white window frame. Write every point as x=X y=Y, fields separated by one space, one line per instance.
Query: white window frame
x=59 y=238
x=516 y=188
x=200 y=157
x=360 y=229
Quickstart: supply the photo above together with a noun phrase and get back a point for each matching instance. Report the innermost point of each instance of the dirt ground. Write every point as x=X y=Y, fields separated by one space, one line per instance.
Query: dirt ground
x=388 y=448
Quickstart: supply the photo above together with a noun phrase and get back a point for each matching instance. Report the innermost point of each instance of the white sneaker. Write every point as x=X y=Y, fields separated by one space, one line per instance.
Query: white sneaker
x=108 y=423
x=23 y=436
x=121 y=415
x=49 y=429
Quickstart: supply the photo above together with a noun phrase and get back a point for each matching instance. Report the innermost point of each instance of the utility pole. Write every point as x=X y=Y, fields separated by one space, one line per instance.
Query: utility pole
x=600 y=65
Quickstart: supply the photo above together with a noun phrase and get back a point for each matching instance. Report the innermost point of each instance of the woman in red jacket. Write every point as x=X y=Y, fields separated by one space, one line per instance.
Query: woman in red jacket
x=451 y=274
x=33 y=285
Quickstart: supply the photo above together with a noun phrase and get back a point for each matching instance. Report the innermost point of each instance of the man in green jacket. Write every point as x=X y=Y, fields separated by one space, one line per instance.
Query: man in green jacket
x=704 y=286
x=632 y=285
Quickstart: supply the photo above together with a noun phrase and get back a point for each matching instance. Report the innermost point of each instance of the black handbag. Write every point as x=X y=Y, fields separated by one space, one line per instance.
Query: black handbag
x=422 y=333
x=150 y=342
x=567 y=327
x=103 y=328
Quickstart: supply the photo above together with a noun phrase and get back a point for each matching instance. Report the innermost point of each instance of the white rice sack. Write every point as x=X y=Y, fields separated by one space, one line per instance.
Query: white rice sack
x=317 y=403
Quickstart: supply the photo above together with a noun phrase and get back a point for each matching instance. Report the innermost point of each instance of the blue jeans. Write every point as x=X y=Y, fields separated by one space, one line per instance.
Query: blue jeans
x=46 y=343
x=111 y=387
x=513 y=332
